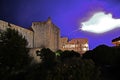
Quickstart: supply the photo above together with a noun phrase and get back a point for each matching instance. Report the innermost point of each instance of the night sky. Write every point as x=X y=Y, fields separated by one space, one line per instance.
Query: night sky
x=66 y=14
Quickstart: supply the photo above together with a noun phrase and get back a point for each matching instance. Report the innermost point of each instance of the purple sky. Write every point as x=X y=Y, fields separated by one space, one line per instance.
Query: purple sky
x=66 y=14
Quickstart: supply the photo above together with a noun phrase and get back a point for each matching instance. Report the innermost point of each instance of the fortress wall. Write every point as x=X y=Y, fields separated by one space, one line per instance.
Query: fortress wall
x=3 y=25
x=41 y=35
x=55 y=35
x=46 y=35
x=25 y=32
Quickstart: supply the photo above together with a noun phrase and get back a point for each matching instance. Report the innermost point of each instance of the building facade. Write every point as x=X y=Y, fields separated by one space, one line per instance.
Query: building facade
x=79 y=45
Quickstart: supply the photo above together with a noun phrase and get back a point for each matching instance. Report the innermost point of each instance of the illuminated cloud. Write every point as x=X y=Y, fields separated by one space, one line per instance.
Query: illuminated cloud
x=100 y=23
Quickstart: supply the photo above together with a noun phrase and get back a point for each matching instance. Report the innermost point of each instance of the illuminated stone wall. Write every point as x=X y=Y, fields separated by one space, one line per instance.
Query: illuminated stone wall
x=46 y=35
x=43 y=35
x=28 y=34
x=79 y=45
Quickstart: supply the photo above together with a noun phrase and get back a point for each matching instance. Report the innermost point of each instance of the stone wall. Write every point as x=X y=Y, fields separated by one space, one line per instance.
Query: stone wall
x=28 y=34
x=43 y=35
x=46 y=35
x=32 y=53
x=54 y=37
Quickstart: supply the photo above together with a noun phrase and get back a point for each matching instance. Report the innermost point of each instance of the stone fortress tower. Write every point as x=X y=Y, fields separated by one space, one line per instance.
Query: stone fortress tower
x=46 y=35
x=42 y=35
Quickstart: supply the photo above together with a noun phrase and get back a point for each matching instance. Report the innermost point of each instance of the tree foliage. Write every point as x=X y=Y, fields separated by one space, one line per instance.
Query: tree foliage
x=104 y=55
x=68 y=66
x=108 y=58
x=13 y=53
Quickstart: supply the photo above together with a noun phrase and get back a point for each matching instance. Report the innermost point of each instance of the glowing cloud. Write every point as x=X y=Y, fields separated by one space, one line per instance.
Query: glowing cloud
x=100 y=23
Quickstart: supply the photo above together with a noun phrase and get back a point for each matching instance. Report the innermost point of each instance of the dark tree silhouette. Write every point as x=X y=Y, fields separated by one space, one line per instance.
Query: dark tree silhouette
x=69 y=54
x=108 y=58
x=70 y=66
x=13 y=54
x=48 y=57
x=104 y=55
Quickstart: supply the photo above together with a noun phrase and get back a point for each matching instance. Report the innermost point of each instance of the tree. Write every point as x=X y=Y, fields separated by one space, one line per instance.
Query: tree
x=58 y=52
x=108 y=58
x=69 y=54
x=69 y=66
x=104 y=55
x=43 y=70
x=48 y=57
x=13 y=53
x=73 y=67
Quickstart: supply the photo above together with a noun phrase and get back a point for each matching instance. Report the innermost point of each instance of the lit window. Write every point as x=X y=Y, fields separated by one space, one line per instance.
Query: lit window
x=72 y=46
x=85 y=45
x=69 y=46
x=84 y=49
